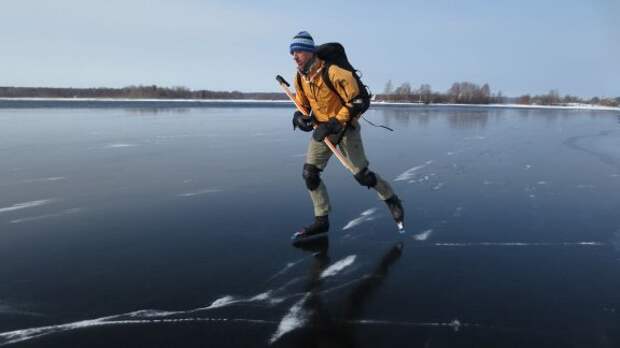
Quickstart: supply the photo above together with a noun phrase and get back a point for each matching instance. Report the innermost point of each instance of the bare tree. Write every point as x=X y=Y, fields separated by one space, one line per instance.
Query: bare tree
x=388 y=88
x=404 y=89
x=425 y=92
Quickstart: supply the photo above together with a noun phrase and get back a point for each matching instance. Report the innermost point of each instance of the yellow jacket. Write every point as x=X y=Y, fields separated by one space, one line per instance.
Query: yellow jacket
x=314 y=93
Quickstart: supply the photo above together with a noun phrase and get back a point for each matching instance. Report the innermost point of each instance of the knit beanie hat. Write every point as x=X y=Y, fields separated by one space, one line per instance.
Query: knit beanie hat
x=302 y=42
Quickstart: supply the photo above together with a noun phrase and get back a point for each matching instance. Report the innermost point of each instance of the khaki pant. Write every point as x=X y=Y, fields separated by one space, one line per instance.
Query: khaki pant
x=352 y=148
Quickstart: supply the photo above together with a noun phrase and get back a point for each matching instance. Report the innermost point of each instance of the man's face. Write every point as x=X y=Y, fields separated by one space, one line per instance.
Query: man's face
x=301 y=58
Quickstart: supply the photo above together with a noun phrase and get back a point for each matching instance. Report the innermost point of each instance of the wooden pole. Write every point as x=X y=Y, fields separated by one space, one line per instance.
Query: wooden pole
x=345 y=162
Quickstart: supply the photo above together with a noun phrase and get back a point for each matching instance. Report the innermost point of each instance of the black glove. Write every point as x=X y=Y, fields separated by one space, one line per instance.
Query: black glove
x=304 y=123
x=325 y=129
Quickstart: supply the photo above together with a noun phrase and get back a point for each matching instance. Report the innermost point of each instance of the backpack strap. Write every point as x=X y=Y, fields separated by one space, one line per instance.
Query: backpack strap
x=329 y=83
x=361 y=94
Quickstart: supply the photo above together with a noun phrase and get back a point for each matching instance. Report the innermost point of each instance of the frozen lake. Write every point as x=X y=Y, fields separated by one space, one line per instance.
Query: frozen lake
x=170 y=226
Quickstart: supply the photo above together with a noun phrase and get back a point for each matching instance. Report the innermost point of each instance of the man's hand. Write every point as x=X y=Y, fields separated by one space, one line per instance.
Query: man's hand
x=325 y=129
x=304 y=123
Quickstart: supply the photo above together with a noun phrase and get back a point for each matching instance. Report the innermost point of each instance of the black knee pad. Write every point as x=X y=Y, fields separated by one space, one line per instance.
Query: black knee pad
x=312 y=176
x=366 y=178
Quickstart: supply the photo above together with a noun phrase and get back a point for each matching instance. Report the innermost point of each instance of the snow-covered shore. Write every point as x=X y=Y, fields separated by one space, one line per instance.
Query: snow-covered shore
x=574 y=106
x=519 y=106
x=206 y=101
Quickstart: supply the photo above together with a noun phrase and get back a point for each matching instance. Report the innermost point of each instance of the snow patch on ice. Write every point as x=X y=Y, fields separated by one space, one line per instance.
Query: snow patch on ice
x=9 y=309
x=198 y=193
x=366 y=215
x=452 y=153
x=136 y=317
x=438 y=186
x=47 y=216
x=53 y=178
x=295 y=318
x=223 y=301
x=615 y=240
x=231 y=300
x=457 y=212
x=151 y=313
x=26 y=205
x=286 y=268
x=119 y=145
x=260 y=297
x=423 y=236
x=523 y=244
x=531 y=190
x=11 y=337
x=425 y=178
x=410 y=173
x=454 y=324
x=334 y=269
x=174 y=136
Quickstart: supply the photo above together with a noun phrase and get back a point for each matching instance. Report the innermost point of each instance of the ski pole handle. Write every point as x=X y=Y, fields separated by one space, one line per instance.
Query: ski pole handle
x=285 y=85
x=282 y=81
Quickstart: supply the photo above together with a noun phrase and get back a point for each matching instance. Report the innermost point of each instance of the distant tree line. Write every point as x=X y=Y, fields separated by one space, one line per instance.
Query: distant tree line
x=132 y=92
x=459 y=93
x=554 y=98
x=471 y=93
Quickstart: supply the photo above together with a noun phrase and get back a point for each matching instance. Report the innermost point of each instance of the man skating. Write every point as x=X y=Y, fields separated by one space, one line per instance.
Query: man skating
x=330 y=118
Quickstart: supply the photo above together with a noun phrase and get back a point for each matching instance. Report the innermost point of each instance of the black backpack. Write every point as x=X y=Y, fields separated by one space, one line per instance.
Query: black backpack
x=333 y=53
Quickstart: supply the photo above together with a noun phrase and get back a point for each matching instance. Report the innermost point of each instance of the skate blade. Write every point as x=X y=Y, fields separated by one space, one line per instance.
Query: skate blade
x=297 y=237
x=401 y=227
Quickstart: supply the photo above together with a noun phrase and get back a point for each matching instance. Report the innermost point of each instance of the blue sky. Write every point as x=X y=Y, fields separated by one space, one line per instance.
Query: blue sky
x=515 y=46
